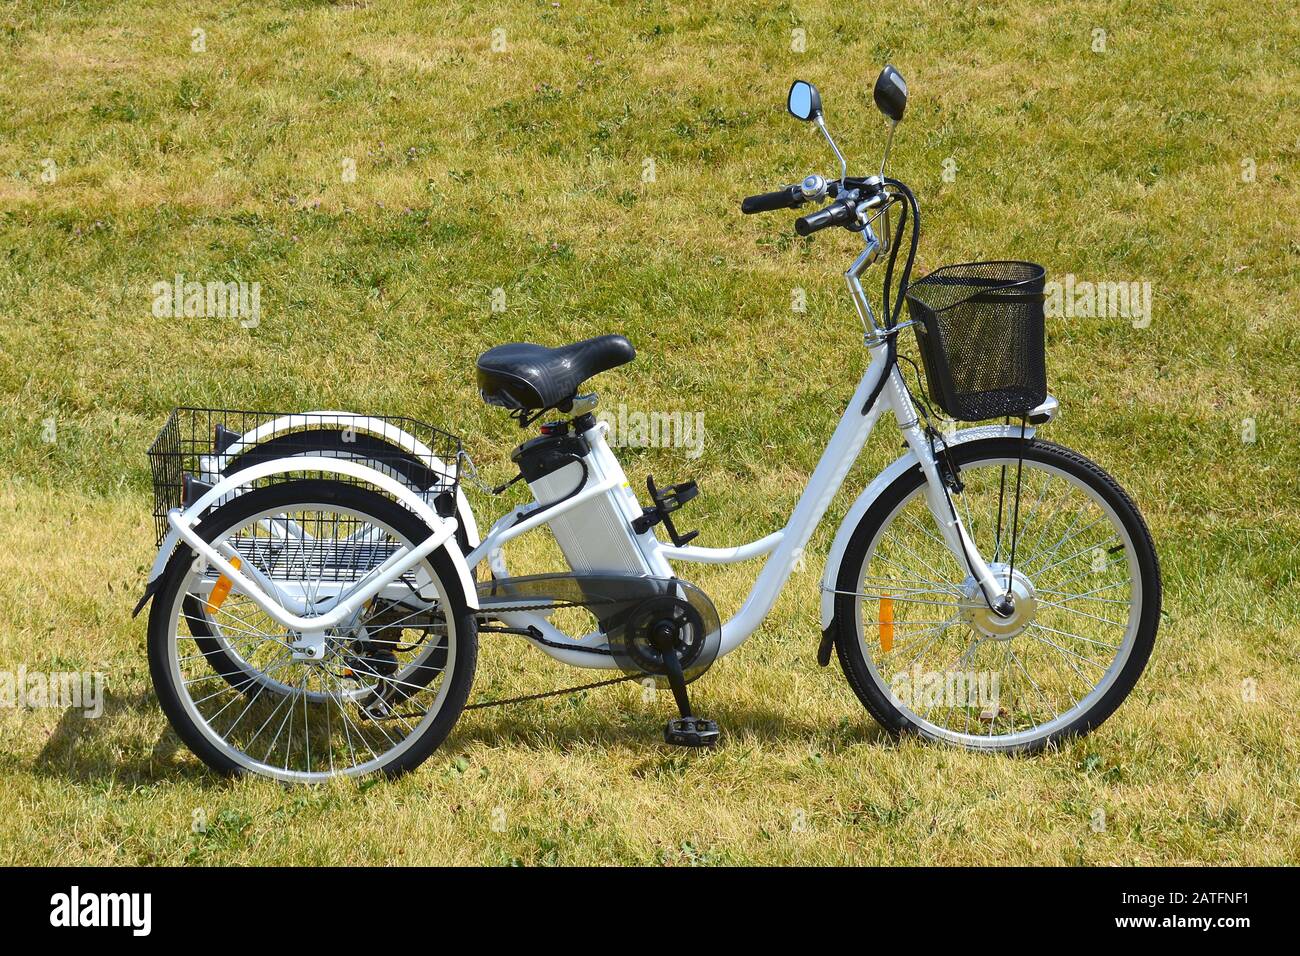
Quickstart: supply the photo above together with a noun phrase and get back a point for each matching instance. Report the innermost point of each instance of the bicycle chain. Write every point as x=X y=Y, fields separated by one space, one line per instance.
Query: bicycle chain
x=549 y=693
x=525 y=698
x=516 y=700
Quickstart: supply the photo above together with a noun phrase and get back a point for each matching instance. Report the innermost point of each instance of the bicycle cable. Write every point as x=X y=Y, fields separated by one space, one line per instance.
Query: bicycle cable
x=891 y=314
x=926 y=411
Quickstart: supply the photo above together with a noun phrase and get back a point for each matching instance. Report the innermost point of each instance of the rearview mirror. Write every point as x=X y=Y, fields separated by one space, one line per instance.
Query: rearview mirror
x=890 y=93
x=805 y=102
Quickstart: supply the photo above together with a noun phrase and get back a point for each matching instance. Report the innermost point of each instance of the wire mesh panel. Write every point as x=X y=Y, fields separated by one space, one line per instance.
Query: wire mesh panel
x=197 y=447
x=980 y=332
x=308 y=545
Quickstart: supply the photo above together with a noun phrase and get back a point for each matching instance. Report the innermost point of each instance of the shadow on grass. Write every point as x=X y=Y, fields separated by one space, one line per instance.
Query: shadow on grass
x=560 y=727
x=86 y=750
x=93 y=751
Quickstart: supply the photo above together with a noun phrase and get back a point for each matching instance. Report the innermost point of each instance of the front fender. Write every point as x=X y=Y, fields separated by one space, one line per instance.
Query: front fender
x=232 y=484
x=896 y=469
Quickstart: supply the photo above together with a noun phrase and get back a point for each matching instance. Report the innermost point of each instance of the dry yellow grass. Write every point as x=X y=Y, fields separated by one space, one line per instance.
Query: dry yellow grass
x=522 y=169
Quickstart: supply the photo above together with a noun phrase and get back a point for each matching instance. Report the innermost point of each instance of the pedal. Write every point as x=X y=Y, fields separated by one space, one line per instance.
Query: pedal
x=692 y=732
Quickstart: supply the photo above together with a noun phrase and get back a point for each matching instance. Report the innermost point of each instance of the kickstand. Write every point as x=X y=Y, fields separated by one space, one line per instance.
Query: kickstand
x=686 y=730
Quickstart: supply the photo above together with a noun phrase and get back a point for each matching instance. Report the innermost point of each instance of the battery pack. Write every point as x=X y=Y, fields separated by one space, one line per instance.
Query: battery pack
x=594 y=536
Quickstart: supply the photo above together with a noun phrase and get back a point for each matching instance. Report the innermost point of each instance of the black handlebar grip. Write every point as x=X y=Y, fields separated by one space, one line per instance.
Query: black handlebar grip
x=835 y=214
x=788 y=197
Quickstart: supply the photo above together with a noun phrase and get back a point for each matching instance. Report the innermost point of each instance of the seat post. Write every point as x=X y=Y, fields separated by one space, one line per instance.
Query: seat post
x=584 y=405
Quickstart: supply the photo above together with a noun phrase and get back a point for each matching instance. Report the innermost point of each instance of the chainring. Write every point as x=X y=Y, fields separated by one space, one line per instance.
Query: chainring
x=696 y=636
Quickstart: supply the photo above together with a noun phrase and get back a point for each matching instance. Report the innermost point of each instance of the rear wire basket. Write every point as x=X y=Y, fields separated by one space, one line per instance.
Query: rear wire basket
x=197 y=447
x=980 y=332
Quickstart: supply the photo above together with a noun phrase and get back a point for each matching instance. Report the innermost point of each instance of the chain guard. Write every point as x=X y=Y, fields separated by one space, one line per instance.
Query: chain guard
x=697 y=635
x=627 y=607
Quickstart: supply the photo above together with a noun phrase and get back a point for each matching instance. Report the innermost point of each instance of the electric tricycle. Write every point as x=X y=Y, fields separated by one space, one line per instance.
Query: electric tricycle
x=322 y=582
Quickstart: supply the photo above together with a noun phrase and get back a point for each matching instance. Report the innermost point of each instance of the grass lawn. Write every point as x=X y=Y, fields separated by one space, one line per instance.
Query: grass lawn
x=582 y=164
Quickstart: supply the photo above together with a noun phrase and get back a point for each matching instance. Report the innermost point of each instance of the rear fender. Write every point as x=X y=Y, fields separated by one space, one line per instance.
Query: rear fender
x=379 y=429
x=232 y=485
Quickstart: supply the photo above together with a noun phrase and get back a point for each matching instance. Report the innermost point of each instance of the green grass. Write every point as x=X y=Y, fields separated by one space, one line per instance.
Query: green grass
x=522 y=170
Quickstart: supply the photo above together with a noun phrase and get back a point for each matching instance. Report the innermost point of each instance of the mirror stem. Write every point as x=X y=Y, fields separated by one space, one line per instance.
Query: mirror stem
x=844 y=167
x=889 y=141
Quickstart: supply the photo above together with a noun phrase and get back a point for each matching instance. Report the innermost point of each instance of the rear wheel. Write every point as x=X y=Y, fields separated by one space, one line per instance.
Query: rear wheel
x=393 y=680
x=921 y=647
x=330 y=443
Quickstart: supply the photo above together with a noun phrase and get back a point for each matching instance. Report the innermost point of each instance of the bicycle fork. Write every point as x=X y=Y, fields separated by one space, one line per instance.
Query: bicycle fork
x=938 y=500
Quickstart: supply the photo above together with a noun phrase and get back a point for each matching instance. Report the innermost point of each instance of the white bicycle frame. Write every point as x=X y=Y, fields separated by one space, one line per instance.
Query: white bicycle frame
x=784 y=548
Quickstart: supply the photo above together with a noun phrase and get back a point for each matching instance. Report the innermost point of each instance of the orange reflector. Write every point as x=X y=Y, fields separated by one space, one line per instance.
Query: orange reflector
x=886 y=623
x=221 y=590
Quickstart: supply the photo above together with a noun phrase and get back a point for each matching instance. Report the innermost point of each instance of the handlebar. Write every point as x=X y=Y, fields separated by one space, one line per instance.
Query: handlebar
x=842 y=212
x=787 y=197
x=836 y=214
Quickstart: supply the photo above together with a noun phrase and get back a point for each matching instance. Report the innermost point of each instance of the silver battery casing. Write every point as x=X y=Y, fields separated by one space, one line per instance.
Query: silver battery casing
x=595 y=536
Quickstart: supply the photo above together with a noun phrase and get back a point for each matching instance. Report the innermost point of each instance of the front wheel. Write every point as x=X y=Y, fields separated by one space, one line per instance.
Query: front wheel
x=921 y=647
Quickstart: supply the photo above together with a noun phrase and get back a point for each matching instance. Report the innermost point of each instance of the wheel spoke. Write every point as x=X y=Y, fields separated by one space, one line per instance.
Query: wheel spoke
x=1065 y=607
x=351 y=710
x=1079 y=657
x=1054 y=656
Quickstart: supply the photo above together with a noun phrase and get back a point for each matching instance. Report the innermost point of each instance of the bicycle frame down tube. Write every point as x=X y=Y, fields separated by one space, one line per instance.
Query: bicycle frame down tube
x=841 y=452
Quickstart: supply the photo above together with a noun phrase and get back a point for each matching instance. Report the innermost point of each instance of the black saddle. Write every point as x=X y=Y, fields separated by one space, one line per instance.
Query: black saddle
x=522 y=376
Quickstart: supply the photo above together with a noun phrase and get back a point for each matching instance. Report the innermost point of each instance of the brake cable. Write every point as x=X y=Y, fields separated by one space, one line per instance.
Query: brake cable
x=891 y=314
x=891 y=320
x=1015 y=520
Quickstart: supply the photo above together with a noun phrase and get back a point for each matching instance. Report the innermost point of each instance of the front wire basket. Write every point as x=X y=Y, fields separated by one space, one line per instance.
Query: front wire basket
x=197 y=447
x=979 y=326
